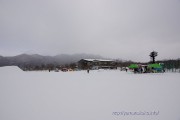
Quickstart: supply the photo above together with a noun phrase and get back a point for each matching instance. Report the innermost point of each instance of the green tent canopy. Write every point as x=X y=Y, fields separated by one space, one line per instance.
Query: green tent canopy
x=133 y=66
x=155 y=65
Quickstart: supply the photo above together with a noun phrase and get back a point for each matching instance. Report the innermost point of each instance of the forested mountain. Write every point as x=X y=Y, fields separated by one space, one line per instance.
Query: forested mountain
x=31 y=61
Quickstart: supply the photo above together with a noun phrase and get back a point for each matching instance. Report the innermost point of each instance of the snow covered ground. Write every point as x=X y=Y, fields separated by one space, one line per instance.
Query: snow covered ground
x=99 y=95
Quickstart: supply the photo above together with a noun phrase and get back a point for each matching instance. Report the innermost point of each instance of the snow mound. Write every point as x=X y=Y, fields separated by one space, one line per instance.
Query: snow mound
x=9 y=69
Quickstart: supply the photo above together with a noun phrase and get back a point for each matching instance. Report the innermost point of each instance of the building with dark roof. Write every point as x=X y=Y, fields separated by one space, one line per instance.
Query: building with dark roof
x=96 y=64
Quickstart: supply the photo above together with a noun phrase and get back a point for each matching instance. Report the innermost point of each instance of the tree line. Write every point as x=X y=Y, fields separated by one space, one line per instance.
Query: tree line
x=171 y=65
x=41 y=67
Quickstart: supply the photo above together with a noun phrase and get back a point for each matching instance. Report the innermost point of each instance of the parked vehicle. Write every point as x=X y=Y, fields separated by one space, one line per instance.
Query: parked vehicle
x=64 y=69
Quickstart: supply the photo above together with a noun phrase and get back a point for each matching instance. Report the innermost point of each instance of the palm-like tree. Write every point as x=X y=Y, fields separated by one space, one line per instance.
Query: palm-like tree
x=152 y=55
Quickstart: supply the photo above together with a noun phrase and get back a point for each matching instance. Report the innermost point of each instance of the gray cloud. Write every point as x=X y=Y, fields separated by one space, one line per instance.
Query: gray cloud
x=124 y=29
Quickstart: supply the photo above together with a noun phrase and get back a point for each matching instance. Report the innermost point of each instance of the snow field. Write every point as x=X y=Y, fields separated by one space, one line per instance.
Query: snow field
x=82 y=96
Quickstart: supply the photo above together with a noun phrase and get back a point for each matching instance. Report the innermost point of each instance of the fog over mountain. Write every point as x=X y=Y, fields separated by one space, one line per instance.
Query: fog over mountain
x=127 y=29
x=36 y=59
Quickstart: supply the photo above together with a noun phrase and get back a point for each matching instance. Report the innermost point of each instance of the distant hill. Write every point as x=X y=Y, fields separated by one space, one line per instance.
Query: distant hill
x=37 y=60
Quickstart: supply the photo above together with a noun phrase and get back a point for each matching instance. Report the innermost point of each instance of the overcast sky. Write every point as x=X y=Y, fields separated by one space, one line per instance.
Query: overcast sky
x=127 y=29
